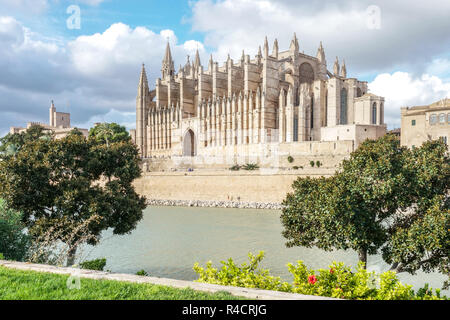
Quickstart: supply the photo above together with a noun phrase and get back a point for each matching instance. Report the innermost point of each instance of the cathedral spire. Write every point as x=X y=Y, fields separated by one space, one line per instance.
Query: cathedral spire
x=266 y=47
x=211 y=63
x=143 y=82
x=336 y=67
x=187 y=66
x=321 y=54
x=294 y=45
x=343 y=70
x=168 y=68
x=197 y=62
x=275 y=49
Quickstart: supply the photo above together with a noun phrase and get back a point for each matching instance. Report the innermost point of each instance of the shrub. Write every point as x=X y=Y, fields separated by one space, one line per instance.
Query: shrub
x=290 y=159
x=295 y=167
x=251 y=166
x=142 y=273
x=2 y=257
x=97 y=264
x=246 y=275
x=318 y=164
x=236 y=167
x=14 y=241
x=311 y=163
x=338 y=281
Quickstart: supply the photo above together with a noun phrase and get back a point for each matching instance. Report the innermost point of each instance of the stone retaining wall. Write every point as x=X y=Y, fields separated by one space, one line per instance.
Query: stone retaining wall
x=225 y=188
x=215 y=204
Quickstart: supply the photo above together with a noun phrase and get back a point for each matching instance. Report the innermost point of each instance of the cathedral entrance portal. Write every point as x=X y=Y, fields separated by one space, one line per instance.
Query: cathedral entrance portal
x=189 y=144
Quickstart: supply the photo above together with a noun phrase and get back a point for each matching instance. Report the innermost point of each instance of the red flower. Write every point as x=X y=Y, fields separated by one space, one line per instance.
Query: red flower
x=312 y=279
x=331 y=270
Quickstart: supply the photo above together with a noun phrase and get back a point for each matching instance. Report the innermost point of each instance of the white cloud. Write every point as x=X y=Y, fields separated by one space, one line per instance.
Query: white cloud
x=89 y=76
x=411 y=34
x=401 y=89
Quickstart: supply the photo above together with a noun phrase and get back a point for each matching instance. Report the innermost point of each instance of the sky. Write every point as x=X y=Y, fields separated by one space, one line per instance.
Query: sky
x=86 y=55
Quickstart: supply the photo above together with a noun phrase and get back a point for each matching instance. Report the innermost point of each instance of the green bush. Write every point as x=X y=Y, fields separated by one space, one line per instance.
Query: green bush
x=312 y=163
x=142 y=273
x=338 y=281
x=251 y=166
x=97 y=264
x=2 y=257
x=295 y=167
x=290 y=159
x=318 y=164
x=236 y=167
x=246 y=275
x=14 y=241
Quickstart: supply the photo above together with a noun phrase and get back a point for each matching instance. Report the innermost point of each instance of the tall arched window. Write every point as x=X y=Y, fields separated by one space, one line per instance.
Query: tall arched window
x=358 y=92
x=312 y=111
x=295 y=138
x=325 y=123
x=343 y=113
x=306 y=73
x=374 y=113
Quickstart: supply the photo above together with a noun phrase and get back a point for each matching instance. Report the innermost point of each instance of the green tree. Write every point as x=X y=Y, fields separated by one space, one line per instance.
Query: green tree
x=363 y=206
x=419 y=236
x=63 y=184
x=14 y=241
x=11 y=143
x=109 y=133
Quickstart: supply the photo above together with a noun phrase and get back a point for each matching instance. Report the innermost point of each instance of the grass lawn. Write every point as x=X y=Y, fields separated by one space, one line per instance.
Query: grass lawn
x=31 y=285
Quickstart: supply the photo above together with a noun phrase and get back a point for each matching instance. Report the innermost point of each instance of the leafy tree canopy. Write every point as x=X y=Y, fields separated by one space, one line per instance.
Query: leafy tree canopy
x=64 y=183
x=378 y=200
x=109 y=133
x=14 y=241
x=11 y=143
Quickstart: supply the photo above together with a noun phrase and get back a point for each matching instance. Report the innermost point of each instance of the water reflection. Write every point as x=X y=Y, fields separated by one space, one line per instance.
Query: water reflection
x=169 y=240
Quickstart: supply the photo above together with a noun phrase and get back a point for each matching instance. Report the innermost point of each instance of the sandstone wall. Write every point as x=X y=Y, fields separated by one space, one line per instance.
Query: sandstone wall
x=222 y=186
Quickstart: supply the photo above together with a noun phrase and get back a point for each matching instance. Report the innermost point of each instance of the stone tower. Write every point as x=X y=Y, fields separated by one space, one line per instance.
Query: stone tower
x=168 y=69
x=141 y=103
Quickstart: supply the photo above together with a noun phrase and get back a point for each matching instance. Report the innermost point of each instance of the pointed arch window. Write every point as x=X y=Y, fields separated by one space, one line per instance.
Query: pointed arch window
x=343 y=113
x=374 y=113
x=358 y=92
x=295 y=127
x=312 y=111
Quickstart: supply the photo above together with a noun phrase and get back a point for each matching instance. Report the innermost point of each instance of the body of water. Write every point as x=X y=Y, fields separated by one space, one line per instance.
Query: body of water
x=169 y=240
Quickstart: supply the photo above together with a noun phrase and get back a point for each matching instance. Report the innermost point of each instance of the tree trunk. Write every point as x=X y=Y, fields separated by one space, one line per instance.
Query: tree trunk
x=362 y=254
x=71 y=256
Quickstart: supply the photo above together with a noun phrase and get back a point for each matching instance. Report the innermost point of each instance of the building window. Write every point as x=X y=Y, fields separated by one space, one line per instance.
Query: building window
x=358 y=92
x=433 y=119
x=442 y=118
x=312 y=112
x=374 y=113
x=306 y=73
x=413 y=122
x=295 y=128
x=343 y=113
x=448 y=118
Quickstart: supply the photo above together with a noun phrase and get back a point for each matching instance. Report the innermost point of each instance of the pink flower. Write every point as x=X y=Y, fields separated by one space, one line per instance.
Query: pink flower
x=312 y=279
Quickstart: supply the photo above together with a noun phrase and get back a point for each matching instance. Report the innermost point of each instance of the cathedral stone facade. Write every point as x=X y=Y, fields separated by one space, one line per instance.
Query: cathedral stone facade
x=281 y=101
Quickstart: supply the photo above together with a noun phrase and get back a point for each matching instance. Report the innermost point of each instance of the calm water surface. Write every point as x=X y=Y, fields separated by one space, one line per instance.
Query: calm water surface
x=169 y=240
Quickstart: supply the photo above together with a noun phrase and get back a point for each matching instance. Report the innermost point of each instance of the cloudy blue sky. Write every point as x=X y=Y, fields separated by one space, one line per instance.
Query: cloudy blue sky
x=92 y=72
